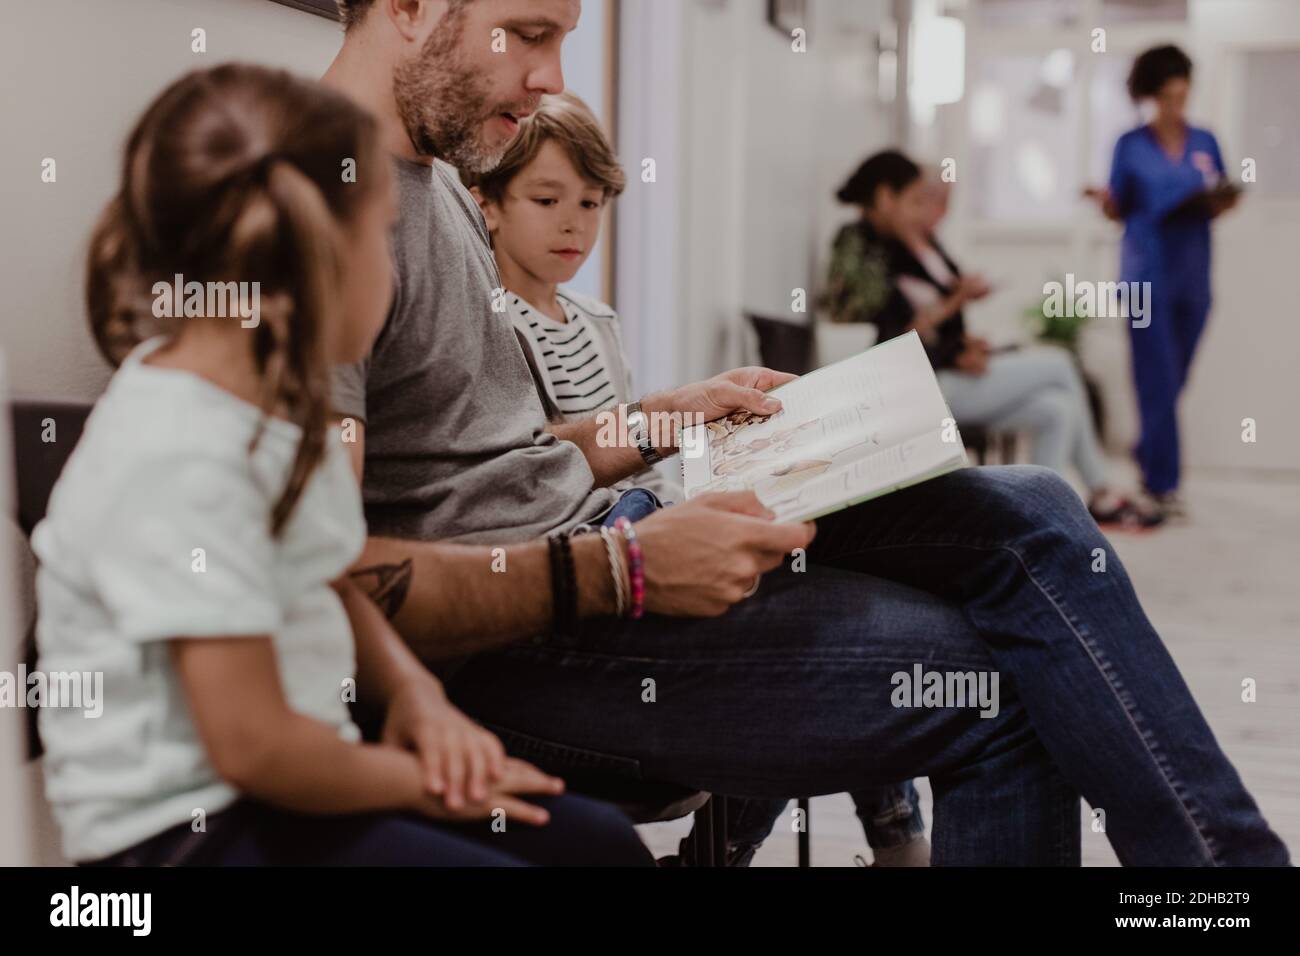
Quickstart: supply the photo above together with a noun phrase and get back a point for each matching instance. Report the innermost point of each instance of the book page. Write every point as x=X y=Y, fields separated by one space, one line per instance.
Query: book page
x=801 y=495
x=845 y=413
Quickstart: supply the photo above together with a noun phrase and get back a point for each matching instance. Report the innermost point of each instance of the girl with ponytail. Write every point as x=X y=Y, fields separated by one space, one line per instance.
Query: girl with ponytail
x=194 y=553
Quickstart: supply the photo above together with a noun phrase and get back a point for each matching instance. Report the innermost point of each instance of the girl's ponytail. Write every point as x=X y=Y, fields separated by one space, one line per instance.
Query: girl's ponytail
x=294 y=363
x=233 y=174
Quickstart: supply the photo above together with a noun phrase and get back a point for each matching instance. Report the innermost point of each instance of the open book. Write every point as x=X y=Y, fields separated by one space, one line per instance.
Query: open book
x=851 y=431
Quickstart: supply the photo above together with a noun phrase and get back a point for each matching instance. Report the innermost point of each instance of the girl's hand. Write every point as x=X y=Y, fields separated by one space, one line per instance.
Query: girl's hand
x=462 y=762
x=517 y=777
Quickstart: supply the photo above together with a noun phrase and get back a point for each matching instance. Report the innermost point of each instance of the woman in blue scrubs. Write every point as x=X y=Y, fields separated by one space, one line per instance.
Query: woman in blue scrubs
x=1167 y=182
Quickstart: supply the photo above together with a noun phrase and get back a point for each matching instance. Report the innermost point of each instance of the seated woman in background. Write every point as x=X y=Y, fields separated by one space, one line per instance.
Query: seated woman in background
x=887 y=268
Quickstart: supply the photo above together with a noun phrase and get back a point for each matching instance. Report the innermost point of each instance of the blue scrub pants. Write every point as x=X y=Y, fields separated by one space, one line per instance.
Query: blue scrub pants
x=1162 y=358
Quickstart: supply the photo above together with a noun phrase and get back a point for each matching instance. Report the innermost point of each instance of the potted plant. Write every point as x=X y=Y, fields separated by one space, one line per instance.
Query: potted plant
x=1064 y=331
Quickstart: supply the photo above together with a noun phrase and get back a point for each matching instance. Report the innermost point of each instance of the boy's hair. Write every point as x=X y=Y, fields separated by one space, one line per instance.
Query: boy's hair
x=567 y=120
x=233 y=174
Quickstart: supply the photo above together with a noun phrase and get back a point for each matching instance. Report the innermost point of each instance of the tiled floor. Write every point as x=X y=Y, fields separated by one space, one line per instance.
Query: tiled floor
x=1224 y=592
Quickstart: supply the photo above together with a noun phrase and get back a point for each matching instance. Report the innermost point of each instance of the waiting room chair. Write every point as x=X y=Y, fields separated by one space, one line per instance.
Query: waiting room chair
x=657 y=802
x=40 y=461
x=784 y=346
x=989 y=446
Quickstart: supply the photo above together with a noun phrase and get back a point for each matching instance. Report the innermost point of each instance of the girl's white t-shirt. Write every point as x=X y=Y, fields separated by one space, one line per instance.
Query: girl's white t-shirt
x=159 y=527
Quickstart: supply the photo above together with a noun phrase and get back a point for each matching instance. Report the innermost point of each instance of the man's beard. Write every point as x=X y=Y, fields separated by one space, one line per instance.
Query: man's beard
x=443 y=102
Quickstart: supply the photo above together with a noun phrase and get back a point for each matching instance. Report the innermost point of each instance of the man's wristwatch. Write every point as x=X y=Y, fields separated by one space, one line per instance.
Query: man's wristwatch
x=638 y=432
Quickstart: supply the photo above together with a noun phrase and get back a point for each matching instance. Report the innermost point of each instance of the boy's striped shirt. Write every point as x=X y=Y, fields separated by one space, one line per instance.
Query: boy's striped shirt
x=575 y=365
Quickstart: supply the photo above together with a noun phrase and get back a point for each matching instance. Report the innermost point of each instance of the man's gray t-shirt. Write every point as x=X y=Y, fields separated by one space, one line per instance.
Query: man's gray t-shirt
x=455 y=439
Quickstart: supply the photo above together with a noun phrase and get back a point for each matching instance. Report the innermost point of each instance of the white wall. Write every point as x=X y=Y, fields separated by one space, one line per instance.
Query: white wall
x=648 y=289
x=584 y=75
x=806 y=120
x=751 y=140
x=810 y=119
x=1246 y=367
x=74 y=75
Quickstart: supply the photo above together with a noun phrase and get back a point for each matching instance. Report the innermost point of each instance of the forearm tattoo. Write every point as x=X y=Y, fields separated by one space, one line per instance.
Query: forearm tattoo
x=387 y=585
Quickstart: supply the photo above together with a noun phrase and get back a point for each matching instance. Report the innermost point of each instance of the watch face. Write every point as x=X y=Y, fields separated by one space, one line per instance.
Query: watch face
x=636 y=421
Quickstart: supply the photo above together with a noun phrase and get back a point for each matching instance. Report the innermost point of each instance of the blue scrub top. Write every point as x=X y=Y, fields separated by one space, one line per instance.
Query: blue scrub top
x=1147 y=185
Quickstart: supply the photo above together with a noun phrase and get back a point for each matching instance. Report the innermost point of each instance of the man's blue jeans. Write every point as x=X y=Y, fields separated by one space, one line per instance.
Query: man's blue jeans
x=796 y=691
x=890 y=815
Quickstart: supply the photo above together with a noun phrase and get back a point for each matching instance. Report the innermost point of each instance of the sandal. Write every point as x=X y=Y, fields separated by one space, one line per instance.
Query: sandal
x=1125 y=515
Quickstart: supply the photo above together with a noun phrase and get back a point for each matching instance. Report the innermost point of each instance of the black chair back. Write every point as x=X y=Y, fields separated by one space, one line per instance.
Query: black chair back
x=44 y=434
x=39 y=460
x=783 y=345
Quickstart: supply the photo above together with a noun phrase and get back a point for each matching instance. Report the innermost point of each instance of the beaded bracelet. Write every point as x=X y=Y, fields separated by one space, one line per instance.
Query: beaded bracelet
x=615 y=570
x=636 y=567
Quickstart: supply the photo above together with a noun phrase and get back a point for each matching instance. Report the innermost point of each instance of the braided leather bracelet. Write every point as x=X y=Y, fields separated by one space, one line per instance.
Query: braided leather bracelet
x=616 y=570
